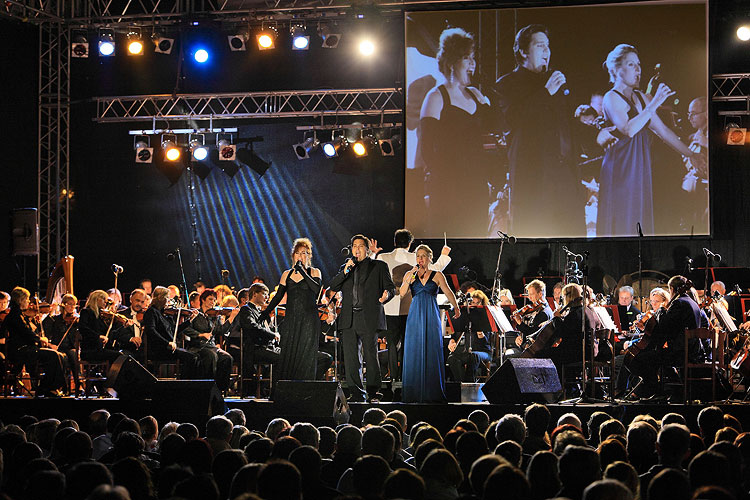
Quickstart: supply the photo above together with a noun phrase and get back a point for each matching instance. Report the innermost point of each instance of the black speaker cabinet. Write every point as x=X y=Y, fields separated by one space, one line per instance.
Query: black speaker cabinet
x=315 y=400
x=189 y=397
x=523 y=380
x=129 y=379
x=25 y=231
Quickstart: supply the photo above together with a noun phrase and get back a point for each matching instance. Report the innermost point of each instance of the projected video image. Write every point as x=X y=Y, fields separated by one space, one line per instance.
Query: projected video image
x=565 y=122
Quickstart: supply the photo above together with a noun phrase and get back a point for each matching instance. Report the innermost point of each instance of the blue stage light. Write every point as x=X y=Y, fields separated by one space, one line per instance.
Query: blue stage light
x=201 y=56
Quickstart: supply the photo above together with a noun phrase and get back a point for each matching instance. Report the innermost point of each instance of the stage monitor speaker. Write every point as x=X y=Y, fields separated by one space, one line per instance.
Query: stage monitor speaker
x=25 y=231
x=128 y=379
x=188 y=397
x=314 y=399
x=523 y=380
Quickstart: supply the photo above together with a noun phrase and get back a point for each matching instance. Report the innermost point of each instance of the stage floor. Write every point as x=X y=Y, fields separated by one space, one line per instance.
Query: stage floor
x=260 y=411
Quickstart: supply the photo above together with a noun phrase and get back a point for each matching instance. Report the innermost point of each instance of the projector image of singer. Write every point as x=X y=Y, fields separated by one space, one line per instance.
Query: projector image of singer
x=365 y=285
x=625 y=192
x=534 y=108
x=450 y=132
x=424 y=367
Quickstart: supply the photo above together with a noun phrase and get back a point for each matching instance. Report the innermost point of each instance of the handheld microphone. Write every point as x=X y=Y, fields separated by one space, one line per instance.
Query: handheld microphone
x=564 y=89
x=117 y=269
x=345 y=251
x=708 y=253
x=225 y=273
x=576 y=256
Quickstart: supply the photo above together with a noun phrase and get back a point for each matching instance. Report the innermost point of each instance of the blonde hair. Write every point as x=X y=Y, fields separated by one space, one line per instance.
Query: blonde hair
x=661 y=292
x=571 y=292
x=479 y=294
x=539 y=286
x=507 y=293
x=427 y=249
x=615 y=58
x=230 y=301
x=299 y=243
x=18 y=294
x=67 y=298
x=223 y=289
x=93 y=298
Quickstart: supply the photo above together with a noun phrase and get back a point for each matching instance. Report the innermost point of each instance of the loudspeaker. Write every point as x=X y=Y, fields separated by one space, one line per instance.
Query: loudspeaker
x=128 y=379
x=25 y=231
x=189 y=398
x=523 y=380
x=313 y=399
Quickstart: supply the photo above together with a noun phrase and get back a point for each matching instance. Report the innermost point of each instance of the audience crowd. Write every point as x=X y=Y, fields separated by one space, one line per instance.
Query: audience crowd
x=524 y=457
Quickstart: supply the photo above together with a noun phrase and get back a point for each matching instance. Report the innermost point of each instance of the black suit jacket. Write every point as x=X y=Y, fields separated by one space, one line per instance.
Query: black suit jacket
x=159 y=329
x=203 y=324
x=19 y=334
x=682 y=314
x=253 y=330
x=377 y=279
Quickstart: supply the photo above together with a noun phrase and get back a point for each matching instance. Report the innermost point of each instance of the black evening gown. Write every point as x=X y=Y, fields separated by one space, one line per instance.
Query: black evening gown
x=299 y=332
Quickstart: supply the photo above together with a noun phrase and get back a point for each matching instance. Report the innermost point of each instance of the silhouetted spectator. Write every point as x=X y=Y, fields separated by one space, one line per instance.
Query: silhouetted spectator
x=197 y=455
x=276 y=427
x=259 y=451
x=672 y=448
x=284 y=446
x=510 y=427
x=372 y=416
x=567 y=438
x=536 y=417
x=611 y=427
x=542 y=475
x=709 y=468
x=45 y=485
x=348 y=450
x=626 y=474
x=404 y=484
x=188 y=431
x=578 y=467
x=83 y=477
x=198 y=487
x=245 y=480
x=442 y=475
x=149 y=432
x=669 y=484
x=641 y=446
x=308 y=461
x=236 y=416
x=710 y=420
x=506 y=482
x=510 y=451
x=169 y=477
x=610 y=451
x=327 y=444
x=480 y=471
x=607 y=489
x=218 y=433
x=480 y=419
x=307 y=434
x=279 y=480
x=135 y=477
x=592 y=426
x=225 y=465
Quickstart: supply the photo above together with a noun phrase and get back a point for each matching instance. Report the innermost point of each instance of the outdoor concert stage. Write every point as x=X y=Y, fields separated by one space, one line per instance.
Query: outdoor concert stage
x=260 y=411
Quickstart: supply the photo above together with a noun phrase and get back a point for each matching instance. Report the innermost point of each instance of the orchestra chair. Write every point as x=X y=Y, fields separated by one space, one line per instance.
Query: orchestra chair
x=93 y=373
x=17 y=381
x=257 y=376
x=601 y=372
x=715 y=364
x=163 y=369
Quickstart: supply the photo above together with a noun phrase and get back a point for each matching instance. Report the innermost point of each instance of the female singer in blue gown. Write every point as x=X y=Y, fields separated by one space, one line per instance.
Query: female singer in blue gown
x=423 y=365
x=626 y=195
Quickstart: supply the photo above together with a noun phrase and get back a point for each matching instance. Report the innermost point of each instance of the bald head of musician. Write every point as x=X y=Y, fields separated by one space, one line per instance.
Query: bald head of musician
x=697 y=114
x=138 y=300
x=718 y=286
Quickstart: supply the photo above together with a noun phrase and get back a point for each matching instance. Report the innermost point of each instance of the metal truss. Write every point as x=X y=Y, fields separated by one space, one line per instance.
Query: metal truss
x=276 y=104
x=732 y=90
x=54 y=146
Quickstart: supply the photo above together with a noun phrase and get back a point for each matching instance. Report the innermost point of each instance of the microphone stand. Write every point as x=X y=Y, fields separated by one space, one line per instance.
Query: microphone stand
x=640 y=268
x=496 y=283
x=182 y=273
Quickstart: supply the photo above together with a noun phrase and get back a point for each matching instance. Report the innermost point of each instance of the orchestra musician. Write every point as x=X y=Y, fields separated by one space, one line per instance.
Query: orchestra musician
x=130 y=336
x=536 y=291
x=260 y=343
x=467 y=354
x=625 y=307
x=366 y=285
x=26 y=345
x=400 y=261
x=666 y=345
x=159 y=330
x=62 y=332
x=202 y=333
x=96 y=332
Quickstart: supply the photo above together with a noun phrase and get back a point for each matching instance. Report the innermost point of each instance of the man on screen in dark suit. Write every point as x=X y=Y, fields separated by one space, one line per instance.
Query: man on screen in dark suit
x=366 y=285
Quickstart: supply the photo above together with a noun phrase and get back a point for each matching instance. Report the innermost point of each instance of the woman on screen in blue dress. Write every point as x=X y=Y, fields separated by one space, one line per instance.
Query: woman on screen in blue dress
x=423 y=365
x=625 y=193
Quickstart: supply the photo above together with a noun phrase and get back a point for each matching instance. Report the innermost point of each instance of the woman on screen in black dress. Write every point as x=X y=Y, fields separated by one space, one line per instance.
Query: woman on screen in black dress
x=451 y=143
x=625 y=194
x=300 y=328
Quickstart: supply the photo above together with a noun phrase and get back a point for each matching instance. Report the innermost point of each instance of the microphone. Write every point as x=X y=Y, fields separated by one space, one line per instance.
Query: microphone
x=345 y=251
x=640 y=231
x=117 y=269
x=708 y=253
x=173 y=254
x=564 y=89
x=225 y=272
x=511 y=239
x=576 y=256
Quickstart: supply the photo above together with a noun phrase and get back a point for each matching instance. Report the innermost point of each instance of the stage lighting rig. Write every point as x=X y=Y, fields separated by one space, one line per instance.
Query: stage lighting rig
x=238 y=42
x=144 y=153
x=330 y=38
x=300 y=39
x=366 y=47
x=266 y=37
x=743 y=33
x=363 y=146
x=198 y=148
x=201 y=56
x=307 y=146
x=79 y=47
x=169 y=146
x=227 y=150
x=336 y=145
x=106 y=42
x=135 y=44
x=162 y=45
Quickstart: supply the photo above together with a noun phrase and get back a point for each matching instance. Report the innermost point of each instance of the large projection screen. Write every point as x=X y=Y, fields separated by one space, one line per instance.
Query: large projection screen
x=548 y=141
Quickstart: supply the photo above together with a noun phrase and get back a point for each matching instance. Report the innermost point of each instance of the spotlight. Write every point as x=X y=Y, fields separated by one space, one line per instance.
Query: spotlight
x=237 y=43
x=106 y=42
x=227 y=150
x=300 y=40
x=198 y=148
x=386 y=147
x=736 y=136
x=266 y=38
x=307 y=146
x=135 y=44
x=337 y=145
x=366 y=47
x=743 y=33
x=143 y=152
x=79 y=47
x=169 y=145
x=201 y=56
x=163 y=45
x=330 y=40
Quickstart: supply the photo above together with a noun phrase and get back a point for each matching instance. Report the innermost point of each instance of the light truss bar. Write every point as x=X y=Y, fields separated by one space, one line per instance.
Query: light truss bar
x=39 y=11
x=279 y=104
x=355 y=126
x=183 y=131
x=732 y=90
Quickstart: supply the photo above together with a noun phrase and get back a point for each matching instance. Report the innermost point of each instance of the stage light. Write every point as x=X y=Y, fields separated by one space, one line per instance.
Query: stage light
x=266 y=38
x=336 y=145
x=237 y=43
x=79 y=47
x=300 y=40
x=144 y=153
x=106 y=42
x=386 y=147
x=135 y=44
x=307 y=146
x=201 y=56
x=363 y=146
x=169 y=146
x=197 y=148
x=366 y=47
x=162 y=45
x=227 y=150
x=330 y=39
x=743 y=33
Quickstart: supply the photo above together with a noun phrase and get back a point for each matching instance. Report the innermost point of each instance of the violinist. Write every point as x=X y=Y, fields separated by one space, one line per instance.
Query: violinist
x=529 y=323
x=26 y=346
x=194 y=299
x=202 y=333
x=466 y=355
x=260 y=343
x=625 y=307
x=130 y=336
x=667 y=343
x=62 y=331
x=160 y=331
x=96 y=332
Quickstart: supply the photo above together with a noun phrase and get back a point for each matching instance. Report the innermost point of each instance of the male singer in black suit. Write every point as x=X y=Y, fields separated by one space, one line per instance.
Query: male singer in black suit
x=533 y=108
x=366 y=285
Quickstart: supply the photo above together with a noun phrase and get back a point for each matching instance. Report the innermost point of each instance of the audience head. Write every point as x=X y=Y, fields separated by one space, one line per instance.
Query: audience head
x=245 y=480
x=369 y=474
x=673 y=418
x=82 y=478
x=607 y=489
x=511 y=451
x=669 y=484
x=424 y=449
x=219 y=427
x=611 y=450
x=710 y=420
x=441 y=466
x=276 y=427
x=188 y=431
x=404 y=484
x=198 y=456
x=198 y=487
x=284 y=446
x=565 y=439
x=578 y=467
x=594 y=423
x=480 y=419
x=625 y=473
x=378 y=441
x=349 y=440
x=469 y=447
x=709 y=468
x=236 y=416
x=398 y=416
x=327 y=444
x=673 y=444
x=279 y=480
x=570 y=418
x=259 y=450
x=610 y=427
x=542 y=474
x=171 y=449
x=225 y=465
x=135 y=477
x=506 y=481
x=536 y=417
x=641 y=439
x=306 y=434
x=149 y=428
x=510 y=427
x=373 y=416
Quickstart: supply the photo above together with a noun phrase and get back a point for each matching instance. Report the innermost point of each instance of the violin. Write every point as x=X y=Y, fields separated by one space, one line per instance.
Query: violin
x=223 y=311
x=108 y=315
x=69 y=319
x=529 y=309
x=325 y=312
x=37 y=307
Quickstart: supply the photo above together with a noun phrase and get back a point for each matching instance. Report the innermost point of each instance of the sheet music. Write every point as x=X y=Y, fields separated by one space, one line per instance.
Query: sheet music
x=605 y=318
x=500 y=319
x=725 y=320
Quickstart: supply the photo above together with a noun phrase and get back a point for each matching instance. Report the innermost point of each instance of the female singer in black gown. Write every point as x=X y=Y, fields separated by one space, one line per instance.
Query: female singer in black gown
x=301 y=326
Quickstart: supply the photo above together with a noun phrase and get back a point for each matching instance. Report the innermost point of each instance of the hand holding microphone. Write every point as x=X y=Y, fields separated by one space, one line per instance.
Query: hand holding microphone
x=349 y=265
x=555 y=82
x=117 y=269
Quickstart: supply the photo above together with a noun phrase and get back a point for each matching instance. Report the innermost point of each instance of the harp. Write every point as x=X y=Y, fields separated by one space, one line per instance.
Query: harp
x=61 y=280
